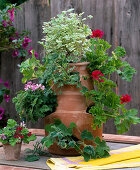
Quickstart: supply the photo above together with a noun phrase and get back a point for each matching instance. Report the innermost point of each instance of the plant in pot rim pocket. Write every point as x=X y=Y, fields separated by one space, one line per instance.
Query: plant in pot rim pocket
x=63 y=136
x=66 y=35
x=34 y=102
x=57 y=72
x=12 y=137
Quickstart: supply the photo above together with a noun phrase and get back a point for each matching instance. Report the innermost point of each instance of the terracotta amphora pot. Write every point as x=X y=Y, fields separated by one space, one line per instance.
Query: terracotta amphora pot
x=72 y=106
x=12 y=153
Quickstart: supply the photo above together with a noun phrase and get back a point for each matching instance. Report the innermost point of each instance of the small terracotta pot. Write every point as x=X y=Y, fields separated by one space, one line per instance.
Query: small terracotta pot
x=12 y=153
x=72 y=106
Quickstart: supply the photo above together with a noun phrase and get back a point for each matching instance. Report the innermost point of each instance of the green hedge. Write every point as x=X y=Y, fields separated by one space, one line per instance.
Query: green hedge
x=3 y=3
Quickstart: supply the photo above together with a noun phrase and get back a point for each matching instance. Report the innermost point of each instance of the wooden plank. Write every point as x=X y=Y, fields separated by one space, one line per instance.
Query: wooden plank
x=106 y=137
x=30 y=18
x=119 y=19
x=129 y=38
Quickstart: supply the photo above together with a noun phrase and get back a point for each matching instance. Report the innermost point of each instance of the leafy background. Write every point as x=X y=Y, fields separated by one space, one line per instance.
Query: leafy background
x=4 y=2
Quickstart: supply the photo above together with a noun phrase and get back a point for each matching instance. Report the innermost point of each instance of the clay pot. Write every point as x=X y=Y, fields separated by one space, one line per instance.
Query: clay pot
x=82 y=120
x=72 y=107
x=12 y=153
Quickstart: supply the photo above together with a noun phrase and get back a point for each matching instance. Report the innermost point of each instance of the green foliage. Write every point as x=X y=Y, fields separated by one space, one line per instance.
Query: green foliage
x=102 y=150
x=66 y=34
x=32 y=105
x=55 y=70
x=123 y=121
x=32 y=158
x=86 y=135
x=34 y=155
x=99 y=60
x=10 y=39
x=11 y=123
x=31 y=69
x=3 y=90
x=14 y=133
x=3 y=3
x=88 y=153
x=107 y=104
x=63 y=136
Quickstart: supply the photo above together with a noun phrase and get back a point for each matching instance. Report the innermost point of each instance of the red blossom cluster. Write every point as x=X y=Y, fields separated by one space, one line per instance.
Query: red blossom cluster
x=97 y=75
x=18 y=133
x=29 y=134
x=125 y=98
x=97 y=34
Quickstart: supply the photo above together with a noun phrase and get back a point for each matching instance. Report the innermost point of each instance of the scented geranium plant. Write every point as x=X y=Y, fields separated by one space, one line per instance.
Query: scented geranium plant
x=66 y=35
x=4 y=97
x=34 y=102
x=10 y=39
x=107 y=103
x=14 y=133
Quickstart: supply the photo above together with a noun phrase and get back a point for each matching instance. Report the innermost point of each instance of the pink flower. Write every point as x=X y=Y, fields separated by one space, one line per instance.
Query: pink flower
x=15 y=53
x=30 y=51
x=1 y=80
x=33 y=87
x=6 y=84
x=1 y=113
x=36 y=55
x=25 y=42
x=3 y=137
x=4 y=23
x=96 y=74
x=11 y=14
x=29 y=83
x=7 y=98
x=125 y=98
x=97 y=33
x=43 y=87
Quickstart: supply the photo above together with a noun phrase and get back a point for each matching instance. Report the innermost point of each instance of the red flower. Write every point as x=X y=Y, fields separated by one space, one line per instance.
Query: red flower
x=19 y=128
x=21 y=136
x=29 y=134
x=125 y=98
x=96 y=75
x=101 y=81
x=97 y=33
x=16 y=135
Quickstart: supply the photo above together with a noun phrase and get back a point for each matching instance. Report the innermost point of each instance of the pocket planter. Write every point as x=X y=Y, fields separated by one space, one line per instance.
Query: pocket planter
x=72 y=108
x=12 y=153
